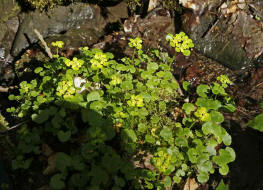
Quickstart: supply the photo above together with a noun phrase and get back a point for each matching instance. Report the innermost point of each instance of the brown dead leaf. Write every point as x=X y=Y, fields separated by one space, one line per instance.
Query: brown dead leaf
x=190 y=184
x=46 y=150
x=51 y=167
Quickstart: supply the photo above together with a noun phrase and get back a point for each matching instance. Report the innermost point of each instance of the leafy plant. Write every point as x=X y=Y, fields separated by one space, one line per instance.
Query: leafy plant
x=257 y=123
x=99 y=113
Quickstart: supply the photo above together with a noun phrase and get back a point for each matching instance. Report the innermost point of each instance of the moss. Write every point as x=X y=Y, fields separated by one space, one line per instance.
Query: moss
x=8 y=9
x=45 y=4
x=3 y=123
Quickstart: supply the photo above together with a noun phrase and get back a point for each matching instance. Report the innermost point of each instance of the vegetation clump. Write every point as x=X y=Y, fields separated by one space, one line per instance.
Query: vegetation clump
x=121 y=124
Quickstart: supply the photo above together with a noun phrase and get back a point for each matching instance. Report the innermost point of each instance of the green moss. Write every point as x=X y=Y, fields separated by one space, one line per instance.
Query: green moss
x=3 y=123
x=8 y=9
x=45 y=4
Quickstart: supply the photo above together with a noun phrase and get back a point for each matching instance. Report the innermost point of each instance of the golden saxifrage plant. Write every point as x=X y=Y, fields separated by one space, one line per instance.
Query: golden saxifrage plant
x=100 y=115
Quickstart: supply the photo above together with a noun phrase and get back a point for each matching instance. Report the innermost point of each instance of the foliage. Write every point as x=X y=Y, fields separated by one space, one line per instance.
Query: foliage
x=44 y=4
x=180 y=42
x=257 y=123
x=99 y=113
x=222 y=186
x=3 y=122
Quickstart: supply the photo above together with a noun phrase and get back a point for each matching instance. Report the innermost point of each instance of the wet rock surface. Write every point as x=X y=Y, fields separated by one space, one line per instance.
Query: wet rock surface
x=228 y=33
x=55 y=21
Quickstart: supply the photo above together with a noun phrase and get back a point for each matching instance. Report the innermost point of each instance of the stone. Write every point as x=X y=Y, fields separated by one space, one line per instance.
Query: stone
x=232 y=37
x=55 y=21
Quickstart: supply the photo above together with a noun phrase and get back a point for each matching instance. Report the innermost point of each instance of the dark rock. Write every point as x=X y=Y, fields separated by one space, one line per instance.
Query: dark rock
x=232 y=36
x=55 y=21
x=152 y=29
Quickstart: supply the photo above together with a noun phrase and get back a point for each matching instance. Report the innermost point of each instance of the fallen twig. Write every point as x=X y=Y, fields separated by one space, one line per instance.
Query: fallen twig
x=47 y=49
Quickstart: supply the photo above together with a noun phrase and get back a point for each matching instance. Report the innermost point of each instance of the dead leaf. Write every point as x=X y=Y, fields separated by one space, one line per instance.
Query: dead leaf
x=46 y=150
x=190 y=184
x=51 y=167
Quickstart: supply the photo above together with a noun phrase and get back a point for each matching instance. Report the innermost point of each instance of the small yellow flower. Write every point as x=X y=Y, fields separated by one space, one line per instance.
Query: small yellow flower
x=137 y=43
x=75 y=63
x=202 y=114
x=115 y=80
x=58 y=44
x=99 y=60
x=135 y=101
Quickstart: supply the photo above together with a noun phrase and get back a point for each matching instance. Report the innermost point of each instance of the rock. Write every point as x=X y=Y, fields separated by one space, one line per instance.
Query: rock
x=152 y=29
x=9 y=10
x=8 y=31
x=55 y=21
x=233 y=36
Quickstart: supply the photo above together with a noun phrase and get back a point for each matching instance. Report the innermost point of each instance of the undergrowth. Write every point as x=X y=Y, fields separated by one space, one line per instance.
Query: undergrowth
x=102 y=123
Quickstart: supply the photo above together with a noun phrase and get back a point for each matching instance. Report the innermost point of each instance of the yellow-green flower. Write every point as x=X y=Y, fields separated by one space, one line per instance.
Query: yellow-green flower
x=224 y=80
x=99 y=60
x=135 y=101
x=181 y=43
x=75 y=63
x=202 y=114
x=115 y=80
x=65 y=88
x=58 y=44
x=136 y=43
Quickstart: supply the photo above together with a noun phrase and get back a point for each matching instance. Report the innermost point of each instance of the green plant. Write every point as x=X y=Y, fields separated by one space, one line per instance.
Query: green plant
x=256 y=123
x=3 y=123
x=107 y=112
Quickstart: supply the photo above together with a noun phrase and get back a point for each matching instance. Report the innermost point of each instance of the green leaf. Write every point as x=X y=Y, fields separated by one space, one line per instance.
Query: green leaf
x=150 y=139
x=38 y=69
x=57 y=182
x=62 y=161
x=142 y=127
x=205 y=166
x=167 y=181
x=203 y=177
x=223 y=170
x=97 y=105
x=188 y=108
x=208 y=103
x=41 y=117
x=127 y=85
x=256 y=123
x=186 y=85
x=131 y=134
x=216 y=116
x=227 y=139
x=230 y=107
x=64 y=136
x=152 y=66
x=222 y=186
x=202 y=90
x=166 y=133
x=92 y=96
x=225 y=156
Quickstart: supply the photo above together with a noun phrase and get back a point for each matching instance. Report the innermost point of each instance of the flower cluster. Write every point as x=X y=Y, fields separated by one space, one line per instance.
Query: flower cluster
x=99 y=60
x=66 y=88
x=58 y=44
x=136 y=43
x=181 y=43
x=136 y=101
x=202 y=114
x=115 y=80
x=224 y=80
x=75 y=63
